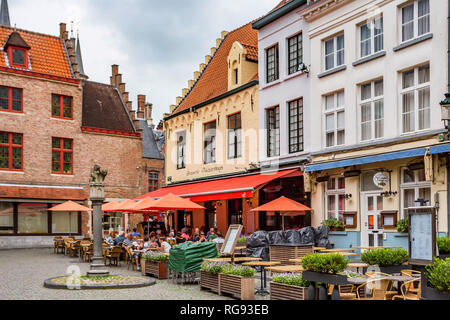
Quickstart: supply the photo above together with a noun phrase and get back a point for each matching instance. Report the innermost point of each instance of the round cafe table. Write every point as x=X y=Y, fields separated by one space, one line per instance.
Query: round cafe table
x=263 y=264
x=358 y=266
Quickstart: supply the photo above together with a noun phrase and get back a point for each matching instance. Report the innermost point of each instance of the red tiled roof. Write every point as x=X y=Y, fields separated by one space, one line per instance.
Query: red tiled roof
x=252 y=52
x=47 y=53
x=214 y=80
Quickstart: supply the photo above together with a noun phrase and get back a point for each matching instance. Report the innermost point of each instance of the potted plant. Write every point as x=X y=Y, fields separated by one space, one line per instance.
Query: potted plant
x=387 y=260
x=209 y=275
x=289 y=286
x=403 y=225
x=444 y=247
x=324 y=268
x=242 y=241
x=437 y=286
x=334 y=224
x=238 y=281
x=155 y=264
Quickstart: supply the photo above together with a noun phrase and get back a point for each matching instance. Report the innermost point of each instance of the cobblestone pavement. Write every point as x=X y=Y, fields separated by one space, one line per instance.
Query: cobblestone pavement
x=22 y=274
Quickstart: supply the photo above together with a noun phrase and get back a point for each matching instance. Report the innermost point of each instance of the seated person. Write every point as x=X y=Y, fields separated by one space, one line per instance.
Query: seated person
x=135 y=233
x=171 y=239
x=165 y=246
x=179 y=238
x=153 y=242
x=110 y=239
x=145 y=243
x=128 y=242
x=212 y=234
x=119 y=239
x=202 y=237
x=184 y=234
x=196 y=235
x=219 y=238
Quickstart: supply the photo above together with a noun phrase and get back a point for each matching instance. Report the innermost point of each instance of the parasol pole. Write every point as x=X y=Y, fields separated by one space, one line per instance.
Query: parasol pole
x=70 y=224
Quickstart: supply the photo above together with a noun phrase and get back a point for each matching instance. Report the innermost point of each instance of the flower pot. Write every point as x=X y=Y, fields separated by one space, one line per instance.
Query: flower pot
x=429 y=293
x=209 y=281
x=280 y=291
x=158 y=270
x=239 y=287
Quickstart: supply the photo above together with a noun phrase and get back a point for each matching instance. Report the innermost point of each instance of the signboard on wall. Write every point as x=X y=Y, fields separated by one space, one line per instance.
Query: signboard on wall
x=422 y=235
x=233 y=234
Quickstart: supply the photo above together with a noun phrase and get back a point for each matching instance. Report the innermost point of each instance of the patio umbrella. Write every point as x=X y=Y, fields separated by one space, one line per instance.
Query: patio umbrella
x=286 y=207
x=70 y=207
x=141 y=207
x=173 y=202
x=109 y=206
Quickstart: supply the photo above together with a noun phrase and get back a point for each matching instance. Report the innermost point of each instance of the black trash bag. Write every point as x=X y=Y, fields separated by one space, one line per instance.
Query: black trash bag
x=324 y=243
x=307 y=235
x=277 y=237
x=261 y=252
x=293 y=236
x=258 y=239
x=321 y=233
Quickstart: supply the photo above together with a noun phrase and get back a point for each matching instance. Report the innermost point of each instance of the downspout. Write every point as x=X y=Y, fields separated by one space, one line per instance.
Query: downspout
x=448 y=90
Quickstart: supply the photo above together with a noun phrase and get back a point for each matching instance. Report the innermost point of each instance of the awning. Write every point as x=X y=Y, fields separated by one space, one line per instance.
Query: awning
x=419 y=152
x=221 y=189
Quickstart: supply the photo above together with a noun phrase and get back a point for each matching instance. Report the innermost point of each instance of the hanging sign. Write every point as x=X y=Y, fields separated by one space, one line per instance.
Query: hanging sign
x=380 y=179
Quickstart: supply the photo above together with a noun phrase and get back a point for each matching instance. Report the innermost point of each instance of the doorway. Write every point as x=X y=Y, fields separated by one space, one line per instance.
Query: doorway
x=372 y=233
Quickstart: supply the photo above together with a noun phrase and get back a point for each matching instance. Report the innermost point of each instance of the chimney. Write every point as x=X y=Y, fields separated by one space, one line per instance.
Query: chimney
x=115 y=69
x=141 y=106
x=148 y=113
x=62 y=31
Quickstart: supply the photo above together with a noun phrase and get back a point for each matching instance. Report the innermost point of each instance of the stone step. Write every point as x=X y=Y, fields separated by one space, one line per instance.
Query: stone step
x=97 y=265
x=97 y=273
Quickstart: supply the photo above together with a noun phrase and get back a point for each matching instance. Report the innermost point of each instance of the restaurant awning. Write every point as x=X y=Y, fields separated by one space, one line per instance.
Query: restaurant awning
x=221 y=189
x=410 y=153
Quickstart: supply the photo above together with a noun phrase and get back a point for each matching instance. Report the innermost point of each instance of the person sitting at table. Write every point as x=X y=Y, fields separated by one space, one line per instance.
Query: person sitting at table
x=219 y=238
x=202 y=237
x=179 y=239
x=110 y=238
x=119 y=239
x=165 y=246
x=153 y=241
x=184 y=234
x=212 y=234
x=135 y=233
x=196 y=235
x=128 y=242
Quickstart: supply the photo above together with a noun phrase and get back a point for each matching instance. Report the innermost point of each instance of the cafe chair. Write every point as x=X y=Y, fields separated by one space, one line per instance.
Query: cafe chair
x=89 y=253
x=67 y=245
x=130 y=260
x=114 y=255
x=378 y=289
x=407 y=292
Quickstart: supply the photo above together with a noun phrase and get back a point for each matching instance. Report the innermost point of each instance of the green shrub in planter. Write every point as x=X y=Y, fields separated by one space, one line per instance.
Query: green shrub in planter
x=155 y=256
x=438 y=275
x=334 y=224
x=242 y=240
x=385 y=257
x=443 y=244
x=331 y=263
x=238 y=270
x=213 y=267
x=291 y=279
x=403 y=225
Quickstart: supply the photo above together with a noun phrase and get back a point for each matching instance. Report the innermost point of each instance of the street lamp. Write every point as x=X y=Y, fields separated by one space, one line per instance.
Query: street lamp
x=445 y=115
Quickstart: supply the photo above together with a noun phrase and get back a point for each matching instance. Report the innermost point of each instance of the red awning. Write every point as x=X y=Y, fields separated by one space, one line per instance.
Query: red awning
x=221 y=189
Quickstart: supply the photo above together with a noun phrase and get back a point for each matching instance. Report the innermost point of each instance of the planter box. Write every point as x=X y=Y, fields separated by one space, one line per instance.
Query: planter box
x=393 y=269
x=279 y=291
x=158 y=270
x=336 y=279
x=238 y=287
x=433 y=294
x=209 y=281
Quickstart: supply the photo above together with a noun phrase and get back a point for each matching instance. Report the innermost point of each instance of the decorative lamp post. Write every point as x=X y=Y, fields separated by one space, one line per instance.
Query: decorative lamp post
x=97 y=196
x=445 y=116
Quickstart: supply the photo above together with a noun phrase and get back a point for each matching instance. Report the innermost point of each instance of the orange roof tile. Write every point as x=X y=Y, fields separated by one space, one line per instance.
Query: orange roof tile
x=47 y=53
x=214 y=80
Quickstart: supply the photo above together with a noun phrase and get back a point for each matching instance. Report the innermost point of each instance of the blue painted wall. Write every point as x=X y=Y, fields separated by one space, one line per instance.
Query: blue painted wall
x=345 y=239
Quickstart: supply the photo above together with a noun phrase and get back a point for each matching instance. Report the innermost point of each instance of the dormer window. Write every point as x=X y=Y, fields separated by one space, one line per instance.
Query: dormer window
x=17 y=50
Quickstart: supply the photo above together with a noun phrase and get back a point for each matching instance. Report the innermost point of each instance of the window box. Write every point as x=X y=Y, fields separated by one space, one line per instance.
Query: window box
x=209 y=281
x=389 y=219
x=280 y=291
x=239 y=287
x=350 y=220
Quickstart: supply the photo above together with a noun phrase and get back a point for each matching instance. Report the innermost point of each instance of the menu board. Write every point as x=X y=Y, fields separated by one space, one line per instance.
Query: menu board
x=422 y=235
x=233 y=234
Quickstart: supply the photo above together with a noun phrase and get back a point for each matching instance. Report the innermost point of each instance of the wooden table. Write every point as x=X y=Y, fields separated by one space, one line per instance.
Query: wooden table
x=239 y=259
x=263 y=264
x=337 y=250
x=346 y=254
x=298 y=260
x=399 y=279
x=240 y=248
x=284 y=269
x=319 y=248
x=366 y=248
x=358 y=266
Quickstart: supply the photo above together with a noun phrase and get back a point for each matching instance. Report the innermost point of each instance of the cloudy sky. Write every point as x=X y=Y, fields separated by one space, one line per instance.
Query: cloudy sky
x=157 y=43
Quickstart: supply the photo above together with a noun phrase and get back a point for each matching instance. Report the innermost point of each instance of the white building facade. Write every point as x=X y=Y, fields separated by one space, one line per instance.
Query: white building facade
x=378 y=74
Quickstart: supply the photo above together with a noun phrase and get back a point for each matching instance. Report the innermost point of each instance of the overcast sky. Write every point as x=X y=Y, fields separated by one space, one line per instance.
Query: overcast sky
x=157 y=43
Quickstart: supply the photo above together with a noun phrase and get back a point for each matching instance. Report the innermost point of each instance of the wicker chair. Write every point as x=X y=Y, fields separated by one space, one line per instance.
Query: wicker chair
x=408 y=292
x=89 y=253
x=378 y=289
x=74 y=248
x=114 y=255
x=67 y=245
x=415 y=286
x=345 y=292
x=58 y=244
x=129 y=259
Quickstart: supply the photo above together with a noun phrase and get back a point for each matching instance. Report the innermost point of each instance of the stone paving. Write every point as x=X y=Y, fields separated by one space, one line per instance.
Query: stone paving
x=22 y=274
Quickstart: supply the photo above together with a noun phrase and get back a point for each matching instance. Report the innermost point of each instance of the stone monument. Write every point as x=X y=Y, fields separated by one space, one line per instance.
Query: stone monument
x=97 y=196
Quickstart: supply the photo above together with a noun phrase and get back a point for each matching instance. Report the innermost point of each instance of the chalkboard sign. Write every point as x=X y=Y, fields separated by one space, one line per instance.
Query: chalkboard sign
x=422 y=235
x=233 y=234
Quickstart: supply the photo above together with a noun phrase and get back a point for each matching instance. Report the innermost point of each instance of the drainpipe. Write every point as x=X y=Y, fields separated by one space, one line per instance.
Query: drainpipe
x=448 y=90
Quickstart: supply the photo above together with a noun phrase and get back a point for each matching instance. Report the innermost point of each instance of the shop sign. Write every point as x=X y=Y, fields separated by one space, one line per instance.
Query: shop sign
x=380 y=179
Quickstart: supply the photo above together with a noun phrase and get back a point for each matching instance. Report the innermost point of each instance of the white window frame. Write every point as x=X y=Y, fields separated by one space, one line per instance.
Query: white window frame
x=336 y=193
x=334 y=52
x=371 y=22
x=416 y=185
x=415 y=21
x=372 y=100
x=335 y=111
x=415 y=88
x=181 y=150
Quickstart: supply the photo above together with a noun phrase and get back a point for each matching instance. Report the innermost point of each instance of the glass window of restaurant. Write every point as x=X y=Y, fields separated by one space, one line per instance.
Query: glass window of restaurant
x=113 y=221
x=35 y=219
x=414 y=187
x=334 y=195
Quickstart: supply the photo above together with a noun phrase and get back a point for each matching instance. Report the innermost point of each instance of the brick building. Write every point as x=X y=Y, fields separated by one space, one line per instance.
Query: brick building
x=54 y=126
